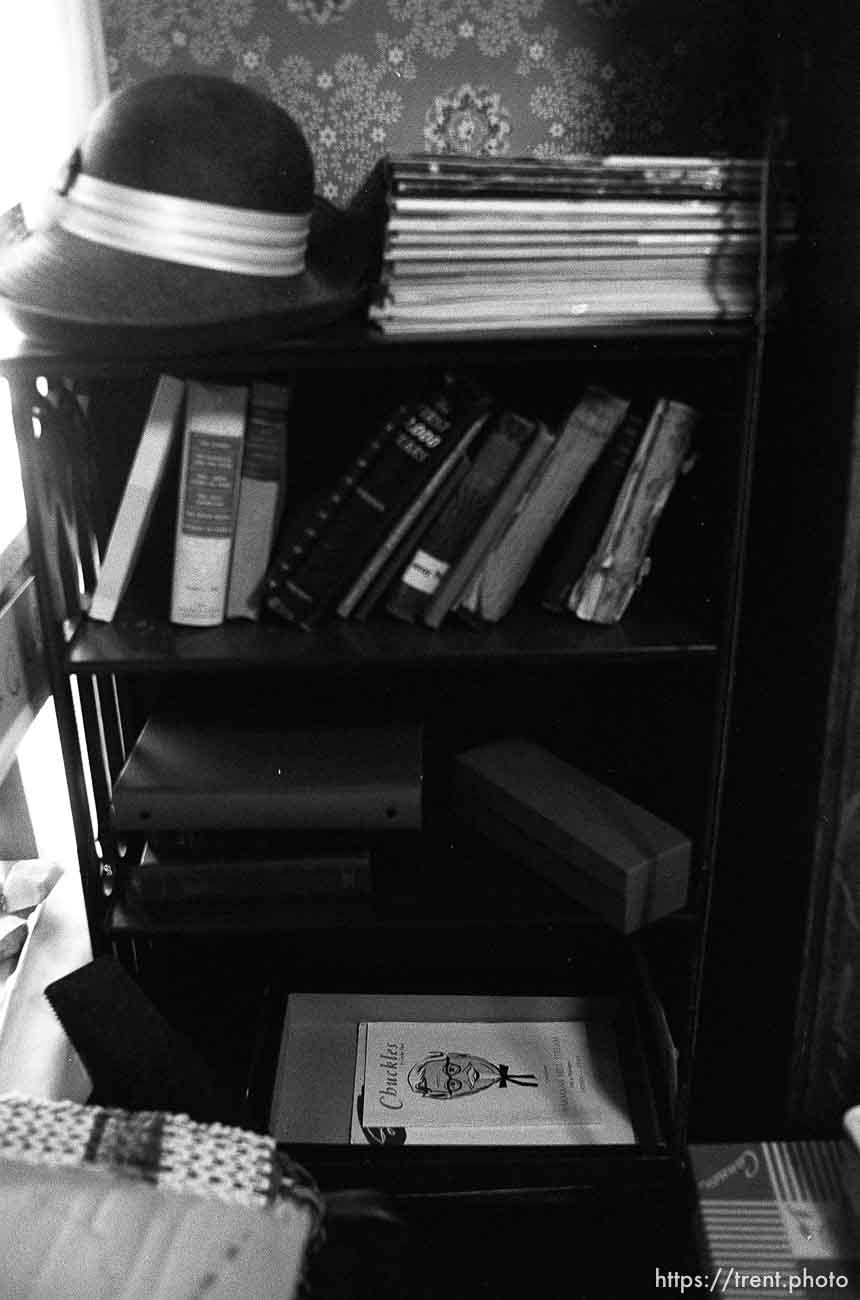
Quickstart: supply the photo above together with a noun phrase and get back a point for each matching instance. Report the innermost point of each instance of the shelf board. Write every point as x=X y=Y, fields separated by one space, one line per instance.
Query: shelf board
x=514 y=1176
x=361 y=919
x=355 y=916
x=357 y=343
x=139 y=641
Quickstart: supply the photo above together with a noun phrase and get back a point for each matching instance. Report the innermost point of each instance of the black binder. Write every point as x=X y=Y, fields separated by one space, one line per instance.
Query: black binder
x=198 y=775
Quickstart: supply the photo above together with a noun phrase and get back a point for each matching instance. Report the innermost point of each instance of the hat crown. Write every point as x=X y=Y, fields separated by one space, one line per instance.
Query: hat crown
x=202 y=138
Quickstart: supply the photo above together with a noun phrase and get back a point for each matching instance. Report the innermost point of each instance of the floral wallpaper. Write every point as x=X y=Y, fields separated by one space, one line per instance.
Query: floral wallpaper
x=541 y=77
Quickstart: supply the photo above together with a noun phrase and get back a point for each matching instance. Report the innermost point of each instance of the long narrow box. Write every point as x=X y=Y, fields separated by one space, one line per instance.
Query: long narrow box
x=193 y=774
x=599 y=847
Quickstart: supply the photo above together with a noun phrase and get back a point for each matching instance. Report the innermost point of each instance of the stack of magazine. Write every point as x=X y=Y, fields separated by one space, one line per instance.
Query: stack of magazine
x=488 y=243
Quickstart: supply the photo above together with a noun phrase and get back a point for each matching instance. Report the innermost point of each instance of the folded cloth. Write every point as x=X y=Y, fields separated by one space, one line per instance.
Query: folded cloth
x=36 y=1056
x=26 y=882
x=136 y=1060
x=100 y=1204
x=13 y=933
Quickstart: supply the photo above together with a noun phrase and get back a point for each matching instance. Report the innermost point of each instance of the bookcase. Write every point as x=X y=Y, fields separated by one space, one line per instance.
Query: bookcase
x=643 y=705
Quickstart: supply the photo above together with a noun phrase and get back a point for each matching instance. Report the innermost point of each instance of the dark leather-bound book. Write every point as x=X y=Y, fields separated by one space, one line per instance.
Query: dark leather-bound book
x=440 y=550
x=424 y=436
x=505 y=505
x=389 y=571
x=302 y=528
x=200 y=880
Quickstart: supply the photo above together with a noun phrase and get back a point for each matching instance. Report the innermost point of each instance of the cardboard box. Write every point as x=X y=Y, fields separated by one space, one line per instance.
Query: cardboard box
x=851 y=1164
x=602 y=849
x=313 y=1090
x=774 y=1217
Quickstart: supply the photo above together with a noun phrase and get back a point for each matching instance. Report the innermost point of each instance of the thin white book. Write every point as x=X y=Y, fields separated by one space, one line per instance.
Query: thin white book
x=139 y=497
x=208 y=502
x=557 y=291
x=538 y=325
x=586 y=243
x=502 y=1083
x=646 y=297
x=604 y=209
x=581 y=231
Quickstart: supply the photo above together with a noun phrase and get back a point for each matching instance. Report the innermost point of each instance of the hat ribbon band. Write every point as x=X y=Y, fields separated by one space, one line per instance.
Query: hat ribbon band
x=244 y=241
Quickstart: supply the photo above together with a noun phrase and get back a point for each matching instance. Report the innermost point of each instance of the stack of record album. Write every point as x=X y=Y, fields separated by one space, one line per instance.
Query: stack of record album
x=523 y=243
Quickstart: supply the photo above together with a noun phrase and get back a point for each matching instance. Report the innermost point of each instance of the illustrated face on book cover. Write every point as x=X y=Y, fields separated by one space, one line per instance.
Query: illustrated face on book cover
x=444 y=1075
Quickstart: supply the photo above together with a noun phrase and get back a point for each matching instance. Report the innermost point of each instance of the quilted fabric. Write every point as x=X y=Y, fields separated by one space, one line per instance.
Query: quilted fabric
x=101 y=1203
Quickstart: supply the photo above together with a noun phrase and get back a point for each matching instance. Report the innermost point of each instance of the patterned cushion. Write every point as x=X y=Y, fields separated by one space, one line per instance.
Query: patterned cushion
x=228 y=1209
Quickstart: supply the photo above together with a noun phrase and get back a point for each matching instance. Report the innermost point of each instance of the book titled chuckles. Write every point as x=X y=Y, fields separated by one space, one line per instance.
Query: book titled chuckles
x=499 y=1083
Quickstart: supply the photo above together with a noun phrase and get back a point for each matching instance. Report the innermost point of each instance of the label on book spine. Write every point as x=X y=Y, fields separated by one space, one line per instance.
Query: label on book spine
x=213 y=461
x=425 y=572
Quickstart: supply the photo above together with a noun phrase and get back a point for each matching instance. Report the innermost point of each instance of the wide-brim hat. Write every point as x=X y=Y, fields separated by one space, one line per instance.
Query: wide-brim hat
x=187 y=217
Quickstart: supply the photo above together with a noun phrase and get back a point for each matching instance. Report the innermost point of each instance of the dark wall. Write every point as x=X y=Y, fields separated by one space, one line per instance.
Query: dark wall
x=780 y=1049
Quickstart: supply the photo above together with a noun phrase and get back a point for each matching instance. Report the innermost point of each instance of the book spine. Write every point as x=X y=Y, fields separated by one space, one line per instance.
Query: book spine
x=394 y=563
x=404 y=524
x=302 y=529
x=138 y=500
x=458 y=523
x=588 y=428
x=337 y=874
x=620 y=562
x=261 y=494
x=423 y=439
x=208 y=498
x=458 y=579
x=580 y=530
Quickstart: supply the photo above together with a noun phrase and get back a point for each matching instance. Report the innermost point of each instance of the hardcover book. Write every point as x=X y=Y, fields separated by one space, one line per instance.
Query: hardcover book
x=501 y=509
x=441 y=549
x=621 y=559
x=500 y=1083
x=388 y=573
x=302 y=529
x=208 y=501
x=138 y=499
x=587 y=430
x=574 y=540
x=423 y=438
x=421 y=512
x=195 y=880
x=261 y=497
